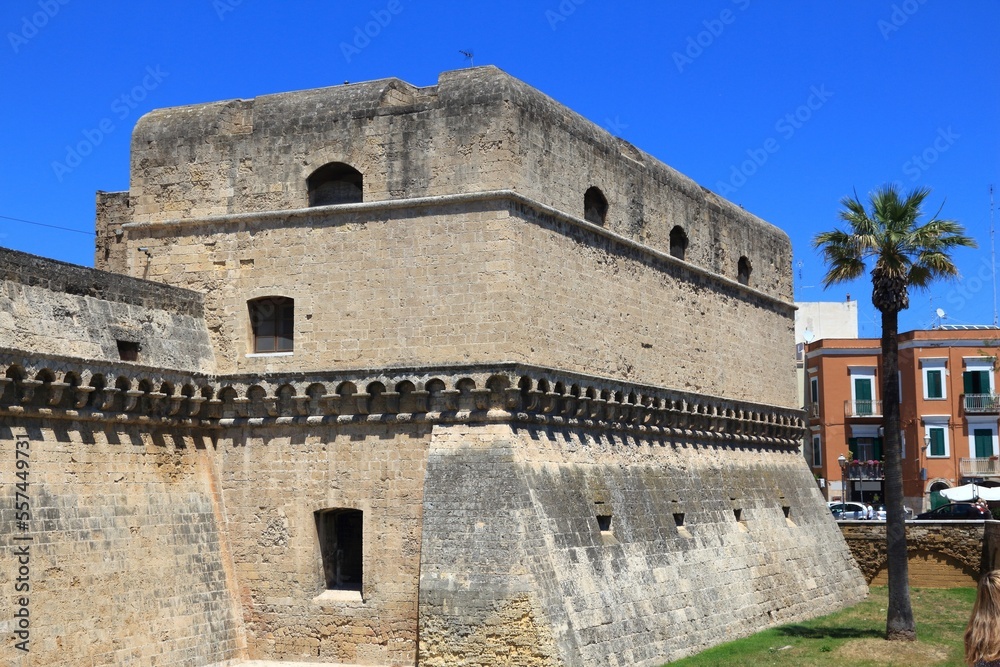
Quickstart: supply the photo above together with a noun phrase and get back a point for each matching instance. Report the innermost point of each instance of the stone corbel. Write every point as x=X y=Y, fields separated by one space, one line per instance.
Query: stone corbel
x=391 y=402
x=28 y=388
x=81 y=395
x=241 y=405
x=194 y=405
x=481 y=398
x=132 y=397
x=156 y=401
x=106 y=401
x=300 y=404
x=174 y=405
x=270 y=405
x=420 y=398
x=534 y=401
x=56 y=390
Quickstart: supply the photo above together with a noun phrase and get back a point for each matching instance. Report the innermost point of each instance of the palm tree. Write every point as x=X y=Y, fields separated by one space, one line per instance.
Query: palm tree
x=906 y=254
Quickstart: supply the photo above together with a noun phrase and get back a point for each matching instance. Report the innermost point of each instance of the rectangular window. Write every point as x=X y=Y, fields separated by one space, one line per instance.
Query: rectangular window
x=272 y=322
x=863 y=396
x=814 y=390
x=340 y=545
x=817 y=453
x=976 y=382
x=933 y=387
x=938 y=447
x=983 y=439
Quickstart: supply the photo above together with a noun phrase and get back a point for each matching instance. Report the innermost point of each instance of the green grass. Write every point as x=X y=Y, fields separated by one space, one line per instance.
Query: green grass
x=855 y=637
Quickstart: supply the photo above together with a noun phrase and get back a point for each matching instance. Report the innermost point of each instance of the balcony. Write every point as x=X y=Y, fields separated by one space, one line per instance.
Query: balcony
x=867 y=408
x=984 y=467
x=978 y=404
x=865 y=470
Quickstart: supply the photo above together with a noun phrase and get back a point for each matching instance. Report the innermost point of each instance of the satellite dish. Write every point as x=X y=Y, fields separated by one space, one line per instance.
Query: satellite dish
x=808 y=336
x=940 y=313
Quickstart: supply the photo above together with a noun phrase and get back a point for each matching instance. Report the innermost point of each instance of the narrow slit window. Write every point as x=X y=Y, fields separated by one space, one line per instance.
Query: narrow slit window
x=744 y=269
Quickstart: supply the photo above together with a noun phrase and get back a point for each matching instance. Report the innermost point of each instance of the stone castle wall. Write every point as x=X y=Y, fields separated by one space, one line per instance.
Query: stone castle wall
x=50 y=307
x=477 y=130
x=123 y=557
x=516 y=569
x=475 y=280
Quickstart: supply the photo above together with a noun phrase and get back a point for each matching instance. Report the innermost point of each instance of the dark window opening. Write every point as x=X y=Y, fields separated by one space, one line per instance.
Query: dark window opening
x=743 y=271
x=738 y=514
x=595 y=206
x=272 y=321
x=340 y=544
x=335 y=183
x=787 y=511
x=679 y=519
x=128 y=350
x=604 y=522
x=678 y=242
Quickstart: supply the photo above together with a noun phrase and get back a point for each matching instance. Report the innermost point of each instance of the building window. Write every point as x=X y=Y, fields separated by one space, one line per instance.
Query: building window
x=934 y=374
x=977 y=381
x=863 y=392
x=595 y=206
x=743 y=270
x=937 y=431
x=128 y=350
x=340 y=544
x=335 y=183
x=814 y=396
x=817 y=452
x=272 y=321
x=678 y=242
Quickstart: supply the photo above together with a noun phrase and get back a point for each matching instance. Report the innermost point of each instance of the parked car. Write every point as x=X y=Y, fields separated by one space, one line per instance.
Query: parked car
x=843 y=511
x=956 y=512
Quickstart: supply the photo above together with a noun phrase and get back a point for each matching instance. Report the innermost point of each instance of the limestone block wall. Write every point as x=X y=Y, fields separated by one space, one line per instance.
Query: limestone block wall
x=473 y=279
x=702 y=544
x=942 y=554
x=50 y=307
x=477 y=130
x=119 y=556
x=273 y=481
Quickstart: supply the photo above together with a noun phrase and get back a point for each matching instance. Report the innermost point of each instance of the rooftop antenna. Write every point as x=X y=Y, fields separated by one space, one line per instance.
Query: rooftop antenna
x=468 y=56
x=993 y=258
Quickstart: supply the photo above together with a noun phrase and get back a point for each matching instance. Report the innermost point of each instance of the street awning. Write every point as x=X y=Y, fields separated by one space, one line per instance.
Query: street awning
x=969 y=492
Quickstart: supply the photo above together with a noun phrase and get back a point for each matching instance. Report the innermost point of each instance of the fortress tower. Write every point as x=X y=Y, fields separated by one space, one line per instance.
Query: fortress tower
x=385 y=374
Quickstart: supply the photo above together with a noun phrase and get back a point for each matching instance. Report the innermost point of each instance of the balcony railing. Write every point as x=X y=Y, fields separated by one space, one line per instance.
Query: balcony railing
x=866 y=470
x=981 y=403
x=982 y=467
x=862 y=408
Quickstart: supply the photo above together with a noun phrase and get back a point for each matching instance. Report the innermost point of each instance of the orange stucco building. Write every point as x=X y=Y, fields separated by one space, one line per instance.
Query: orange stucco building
x=949 y=411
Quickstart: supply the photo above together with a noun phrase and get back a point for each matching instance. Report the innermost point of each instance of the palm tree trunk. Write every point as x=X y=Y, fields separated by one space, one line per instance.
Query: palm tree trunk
x=899 y=619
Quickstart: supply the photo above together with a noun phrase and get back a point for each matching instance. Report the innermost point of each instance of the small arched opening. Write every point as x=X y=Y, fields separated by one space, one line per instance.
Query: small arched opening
x=335 y=183
x=743 y=271
x=595 y=206
x=678 y=242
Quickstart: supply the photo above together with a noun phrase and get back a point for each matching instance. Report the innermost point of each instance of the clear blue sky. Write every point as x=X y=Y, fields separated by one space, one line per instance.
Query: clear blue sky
x=784 y=107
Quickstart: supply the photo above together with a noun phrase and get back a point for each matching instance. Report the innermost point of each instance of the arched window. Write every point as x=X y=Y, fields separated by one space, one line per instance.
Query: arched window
x=595 y=206
x=743 y=271
x=335 y=183
x=340 y=534
x=678 y=242
x=272 y=323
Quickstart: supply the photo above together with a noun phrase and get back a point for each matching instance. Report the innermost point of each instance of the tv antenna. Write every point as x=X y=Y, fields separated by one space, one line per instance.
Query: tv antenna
x=469 y=55
x=993 y=258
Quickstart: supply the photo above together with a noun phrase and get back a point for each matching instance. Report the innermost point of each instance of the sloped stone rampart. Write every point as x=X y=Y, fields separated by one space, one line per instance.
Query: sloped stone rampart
x=705 y=543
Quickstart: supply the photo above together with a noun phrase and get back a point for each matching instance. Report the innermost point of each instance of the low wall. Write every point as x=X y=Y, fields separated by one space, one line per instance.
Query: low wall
x=942 y=554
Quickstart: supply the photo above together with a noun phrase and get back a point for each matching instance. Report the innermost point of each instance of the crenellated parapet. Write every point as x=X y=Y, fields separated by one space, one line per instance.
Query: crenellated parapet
x=65 y=388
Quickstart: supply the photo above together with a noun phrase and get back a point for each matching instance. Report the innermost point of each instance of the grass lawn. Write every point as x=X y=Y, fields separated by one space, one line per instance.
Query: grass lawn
x=854 y=637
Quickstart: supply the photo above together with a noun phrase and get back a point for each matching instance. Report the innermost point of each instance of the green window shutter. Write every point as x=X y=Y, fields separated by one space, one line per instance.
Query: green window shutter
x=934 y=384
x=937 y=441
x=984 y=381
x=852 y=445
x=863 y=389
x=877 y=449
x=984 y=442
x=969 y=381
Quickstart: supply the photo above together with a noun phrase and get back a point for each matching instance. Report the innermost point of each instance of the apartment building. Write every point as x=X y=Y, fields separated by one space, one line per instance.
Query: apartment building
x=949 y=411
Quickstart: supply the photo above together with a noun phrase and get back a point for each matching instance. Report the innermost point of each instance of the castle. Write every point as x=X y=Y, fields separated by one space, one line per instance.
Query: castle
x=392 y=375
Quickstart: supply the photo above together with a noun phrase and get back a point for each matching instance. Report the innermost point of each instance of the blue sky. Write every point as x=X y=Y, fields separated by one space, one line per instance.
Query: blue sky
x=783 y=107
